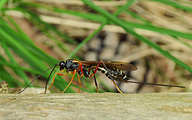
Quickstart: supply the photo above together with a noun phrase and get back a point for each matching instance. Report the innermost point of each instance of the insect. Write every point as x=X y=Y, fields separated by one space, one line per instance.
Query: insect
x=112 y=69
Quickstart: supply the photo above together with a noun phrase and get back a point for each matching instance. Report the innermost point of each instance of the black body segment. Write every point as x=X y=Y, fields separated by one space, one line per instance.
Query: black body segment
x=116 y=74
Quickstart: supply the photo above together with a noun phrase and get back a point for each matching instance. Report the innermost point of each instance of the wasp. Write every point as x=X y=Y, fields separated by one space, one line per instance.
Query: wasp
x=112 y=69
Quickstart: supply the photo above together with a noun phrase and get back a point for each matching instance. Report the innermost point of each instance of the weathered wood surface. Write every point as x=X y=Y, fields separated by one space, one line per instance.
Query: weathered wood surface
x=105 y=106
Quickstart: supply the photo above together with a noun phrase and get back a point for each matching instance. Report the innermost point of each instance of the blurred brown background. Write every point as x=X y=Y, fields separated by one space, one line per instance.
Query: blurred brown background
x=112 y=43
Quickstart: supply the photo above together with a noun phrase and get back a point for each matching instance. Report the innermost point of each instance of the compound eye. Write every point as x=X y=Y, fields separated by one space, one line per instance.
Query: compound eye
x=62 y=65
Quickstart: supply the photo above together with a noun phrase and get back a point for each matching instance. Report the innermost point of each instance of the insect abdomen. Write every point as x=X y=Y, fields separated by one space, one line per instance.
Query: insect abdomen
x=117 y=75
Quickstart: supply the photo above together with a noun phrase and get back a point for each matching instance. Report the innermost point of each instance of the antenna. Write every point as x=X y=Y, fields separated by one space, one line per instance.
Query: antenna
x=39 y=76
x=49 y=77
x=155 y=84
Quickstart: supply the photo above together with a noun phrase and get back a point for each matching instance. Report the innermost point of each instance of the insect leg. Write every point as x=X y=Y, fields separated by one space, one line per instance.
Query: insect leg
x=80 y=67
x=54 y=66
x=79 y=83
x=111 y=76
x=95 y=82
x=70 y=81
x=117 y=86
x=107 y=71
x=96 y=69
x=89 y=70
x=53 y=81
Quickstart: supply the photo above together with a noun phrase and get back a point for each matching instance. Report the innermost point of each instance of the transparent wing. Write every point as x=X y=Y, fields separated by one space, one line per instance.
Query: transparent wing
x=111 y=65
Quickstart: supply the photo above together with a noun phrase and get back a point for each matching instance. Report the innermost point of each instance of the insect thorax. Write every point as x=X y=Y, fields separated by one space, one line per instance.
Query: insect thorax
x=71 y=66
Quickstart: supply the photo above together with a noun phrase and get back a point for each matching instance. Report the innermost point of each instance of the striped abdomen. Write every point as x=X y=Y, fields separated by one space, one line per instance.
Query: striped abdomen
x=117 y=75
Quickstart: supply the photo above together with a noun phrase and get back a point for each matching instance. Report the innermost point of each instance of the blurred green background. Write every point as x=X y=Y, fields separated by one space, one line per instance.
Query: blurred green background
x=155 y=35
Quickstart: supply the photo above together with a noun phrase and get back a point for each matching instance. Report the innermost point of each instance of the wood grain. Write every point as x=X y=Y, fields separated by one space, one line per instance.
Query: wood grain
x=105 y=106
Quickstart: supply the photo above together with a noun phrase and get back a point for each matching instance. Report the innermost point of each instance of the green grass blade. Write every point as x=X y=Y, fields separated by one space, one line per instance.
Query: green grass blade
x=100 y=18
x=17 y=70
x=18 y=29
x=141 y=38
x=25 y=42
x=138 y=17
x=35 y=18
x=2 y=3
x=87 y=39
x=6 y=75
x=174 y=4
x=129 y=3
x=124 y=8
x=20 y=50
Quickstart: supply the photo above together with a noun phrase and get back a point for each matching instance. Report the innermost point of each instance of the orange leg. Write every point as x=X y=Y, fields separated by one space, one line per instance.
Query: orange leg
x=95 y=73
x=96 y=84
x=79 y=83
x=71 y=73
x=117 y=86
x=70 y=81
x=96 y=68
x=80 y=67
x=111 y=77
x=53 y=81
